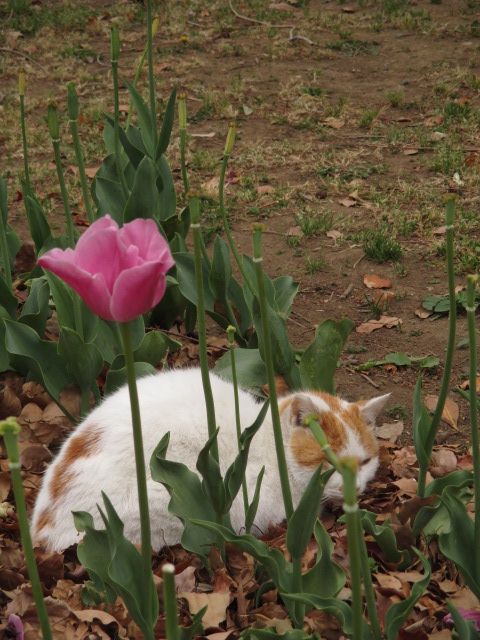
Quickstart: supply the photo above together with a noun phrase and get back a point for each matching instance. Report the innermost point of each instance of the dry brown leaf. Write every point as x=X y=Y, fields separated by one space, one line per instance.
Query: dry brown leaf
x=265 y=189
x=334 y=234
x=388 y=581
x=450 y=410
x=372 y=281
x=34 y=456
x=440 y=231
x=347 y=202
x=384 y=321
x=443 y=461
x=438 y=135
x=382 y=298
x=281 y=6
x=410 y=151
x=91 y=172
x=404 y=463
x=422 y=313
x=433 y=121
x=444 y=634
x=408 y=486
x=390 y=431
x=294 y=232
x=334 y=123
x=5 y=485
x=10 y=404
x=466 y=384
x=217 y=604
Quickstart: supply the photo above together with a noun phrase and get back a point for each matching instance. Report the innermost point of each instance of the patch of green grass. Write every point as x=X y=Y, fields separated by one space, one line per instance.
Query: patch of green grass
x=448 y=159
x=202 y=160
x=395 y=98
x=80 y=53
x=335 y=110
x=293 y=241
x=312 y=224
x=379 y=246
x=314 y=265
x=22 y=15
x=355 y=348
x=312 y=91
x=367 y=118
x=396 y=412
x=353 y=47
x=456 y=112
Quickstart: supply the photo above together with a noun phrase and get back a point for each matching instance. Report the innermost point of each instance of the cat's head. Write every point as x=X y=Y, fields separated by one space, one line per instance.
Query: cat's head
x=349 y=427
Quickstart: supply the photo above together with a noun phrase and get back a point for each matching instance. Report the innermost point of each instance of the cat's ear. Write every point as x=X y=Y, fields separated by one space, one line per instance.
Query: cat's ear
x=371 y=409
x=301 y=406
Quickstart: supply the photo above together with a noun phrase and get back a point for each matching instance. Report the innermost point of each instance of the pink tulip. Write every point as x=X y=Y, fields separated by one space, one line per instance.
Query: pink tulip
x=119 y=273
x=473 y=615
x=16 y=625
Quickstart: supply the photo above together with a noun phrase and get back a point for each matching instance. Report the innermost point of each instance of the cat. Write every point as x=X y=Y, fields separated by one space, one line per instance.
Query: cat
x=98 y=455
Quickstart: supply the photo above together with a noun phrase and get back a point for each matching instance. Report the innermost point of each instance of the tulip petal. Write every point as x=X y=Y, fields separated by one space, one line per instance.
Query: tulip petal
x=92 y=288
x=137 y=290
x=152 y=246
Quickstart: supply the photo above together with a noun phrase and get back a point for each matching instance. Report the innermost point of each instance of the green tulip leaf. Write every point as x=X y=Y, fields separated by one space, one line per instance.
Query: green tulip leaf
x=153 y=348
x=285 y=291
x=251 y=371
x=116 y=378
x=144 y=119
x=300 y=524
x=37 y=222
x=253 y=506
x=166 y=190
x=143 y=200
x=35 y=311
x=398 y=613
x=209 y=469
x=84 y=362
x=320 y=359
x=421 y=423
x=326 y=577
x=167 y=125
x=7 y=300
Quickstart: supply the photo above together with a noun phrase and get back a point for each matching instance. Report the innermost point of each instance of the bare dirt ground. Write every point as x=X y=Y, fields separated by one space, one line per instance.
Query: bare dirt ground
x=353 y=119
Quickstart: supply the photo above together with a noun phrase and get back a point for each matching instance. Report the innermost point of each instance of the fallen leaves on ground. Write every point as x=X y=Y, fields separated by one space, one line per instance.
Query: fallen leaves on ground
x=384 y=321
x=373 y=281
x=450 y=410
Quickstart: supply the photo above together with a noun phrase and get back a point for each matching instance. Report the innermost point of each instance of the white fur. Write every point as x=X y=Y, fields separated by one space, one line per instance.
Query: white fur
x=174 y=401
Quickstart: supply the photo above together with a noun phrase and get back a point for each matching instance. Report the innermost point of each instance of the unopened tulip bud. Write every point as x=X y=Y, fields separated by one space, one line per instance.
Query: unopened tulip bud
x=182 y=111
x=22 y=82
x=52 y=119
x=232 y=129
x=155 y=25
x=231 y=334
x=114 y=45
x=72 y=101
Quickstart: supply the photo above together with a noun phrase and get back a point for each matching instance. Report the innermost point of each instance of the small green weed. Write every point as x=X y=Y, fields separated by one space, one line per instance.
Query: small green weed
x=456 y=112
x=367 y=118
x=313 y=224
x=314 y=265
x=395 y=98
x=379 y=246
x=396 y=412
x=448 y=159
x=21 y=15
x=353 y=47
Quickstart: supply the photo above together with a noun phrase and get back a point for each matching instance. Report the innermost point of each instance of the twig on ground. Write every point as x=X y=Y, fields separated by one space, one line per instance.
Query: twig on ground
x=347 y=291
x=24 y=55
x=255 y=21
x=298 y=37
x=358 y=261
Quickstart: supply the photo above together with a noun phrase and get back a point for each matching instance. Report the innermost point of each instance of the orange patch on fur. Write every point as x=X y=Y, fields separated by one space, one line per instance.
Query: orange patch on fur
x=44 y=520
x=354 y=419
x=332 y=402
x=306 y=450
x=81 y=445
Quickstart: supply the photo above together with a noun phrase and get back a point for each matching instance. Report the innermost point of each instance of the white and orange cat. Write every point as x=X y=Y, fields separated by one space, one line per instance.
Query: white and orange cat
x=98 y=455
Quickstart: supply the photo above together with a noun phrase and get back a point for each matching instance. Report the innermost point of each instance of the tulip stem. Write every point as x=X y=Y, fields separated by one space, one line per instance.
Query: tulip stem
x=447 y=369
x=5 y=254
x=151 y=76
x=238 y=425
x=126 y=333
x=472 y=339
x=221 y=201
x=194 y=206
x=21 y=91
x=73 y=121
x=138 y=71
x=277 y=429
x=182 y=125
x=115 y=52
x=10 y=429
x=170 y=602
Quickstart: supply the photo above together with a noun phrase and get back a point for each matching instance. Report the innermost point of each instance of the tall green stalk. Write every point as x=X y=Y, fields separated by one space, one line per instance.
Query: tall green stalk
x=472 y=339
x=151 y=76
x=10 y=429
x=447 y=370
x=72 y=103
x=348 y=469
x=21 y=93
x=358 y=536
x=221 y=202
x=182 y=125
x=146 y=543
x=54 y=130
x=195 y=226
x=170 y=602
x=238 y=425
x=4 y=252
x=138 y=71
x=277 y=429
x=114 y=56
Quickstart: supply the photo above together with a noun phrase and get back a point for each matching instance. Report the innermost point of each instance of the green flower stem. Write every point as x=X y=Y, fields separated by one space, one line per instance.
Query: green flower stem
x=297 y=587
x=115 y=54
x=182 y=121
x=54 y=130
x=472 y=339
x=194 y=206
x=452 y=323
x=138 y=71
x=221 y=201
x=5 y=254
x=10 y=429
x=321 y=438
x=151 y=76
x=231 y=346
x=21 y=93
x=170 y=602
x=348 y=469
x=277 y=429
x=73 y=122
x=126 y=333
